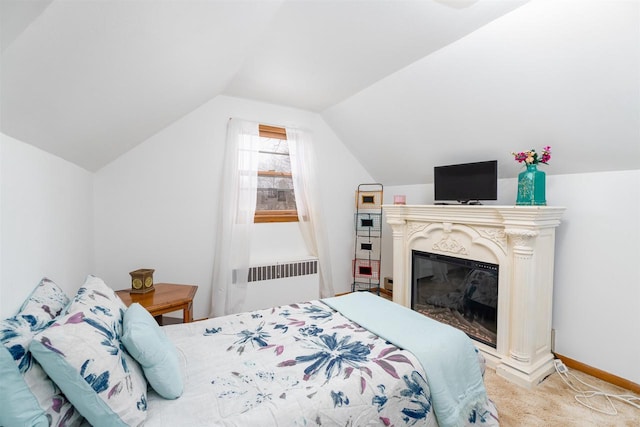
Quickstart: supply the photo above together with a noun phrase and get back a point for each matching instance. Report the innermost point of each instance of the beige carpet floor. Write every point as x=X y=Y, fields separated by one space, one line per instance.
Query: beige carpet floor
x=552 y=403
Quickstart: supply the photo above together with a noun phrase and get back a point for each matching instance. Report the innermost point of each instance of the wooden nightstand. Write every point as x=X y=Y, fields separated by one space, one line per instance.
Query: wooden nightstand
x=166 y=298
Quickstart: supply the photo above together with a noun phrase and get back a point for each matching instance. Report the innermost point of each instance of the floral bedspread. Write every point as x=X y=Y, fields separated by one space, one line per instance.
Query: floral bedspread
x=297 y=365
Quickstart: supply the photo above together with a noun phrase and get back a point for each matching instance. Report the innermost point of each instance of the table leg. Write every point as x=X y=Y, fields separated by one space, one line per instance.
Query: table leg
x=187 y=316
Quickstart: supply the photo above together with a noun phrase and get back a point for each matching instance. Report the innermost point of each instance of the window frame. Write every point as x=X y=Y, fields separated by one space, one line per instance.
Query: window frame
x=265 y=216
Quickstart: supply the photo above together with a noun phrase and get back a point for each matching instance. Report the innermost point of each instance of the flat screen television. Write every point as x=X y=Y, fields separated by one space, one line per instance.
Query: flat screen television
x=466 y=182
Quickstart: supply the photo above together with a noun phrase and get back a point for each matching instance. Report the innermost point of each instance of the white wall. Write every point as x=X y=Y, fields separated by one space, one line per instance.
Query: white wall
x=9 y=310
x=271 y=293
x=597 y=279
x=46 y=227
x=156 y=206
x=563 y=73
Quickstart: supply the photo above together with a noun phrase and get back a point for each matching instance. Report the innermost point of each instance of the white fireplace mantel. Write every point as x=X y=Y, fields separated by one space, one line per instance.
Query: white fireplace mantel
x=520 y=239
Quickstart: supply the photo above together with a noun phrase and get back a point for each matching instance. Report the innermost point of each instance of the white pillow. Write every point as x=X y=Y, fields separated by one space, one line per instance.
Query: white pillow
x=83 y=354
x=47 y=300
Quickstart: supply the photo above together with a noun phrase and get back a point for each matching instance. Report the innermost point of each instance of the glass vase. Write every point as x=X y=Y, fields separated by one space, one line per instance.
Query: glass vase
x=531 y=187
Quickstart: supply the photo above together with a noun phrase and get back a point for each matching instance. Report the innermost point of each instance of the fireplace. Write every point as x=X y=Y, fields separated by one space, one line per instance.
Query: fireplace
x=514 y=244
x=459 y=292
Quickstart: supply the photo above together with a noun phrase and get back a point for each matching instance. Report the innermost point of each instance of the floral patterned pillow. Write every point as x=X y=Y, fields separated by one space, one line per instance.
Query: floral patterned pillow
x=37 y=312
x=31 y=397
x=46 y=301
x=82 y=352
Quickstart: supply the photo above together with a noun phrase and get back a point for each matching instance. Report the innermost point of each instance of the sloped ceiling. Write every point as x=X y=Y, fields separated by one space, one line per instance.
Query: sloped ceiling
x=406 y=85
x=88 y=80
x=561 y=73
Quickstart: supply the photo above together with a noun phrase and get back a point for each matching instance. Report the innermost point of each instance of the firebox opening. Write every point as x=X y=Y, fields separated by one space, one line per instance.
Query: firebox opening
x=459 y=292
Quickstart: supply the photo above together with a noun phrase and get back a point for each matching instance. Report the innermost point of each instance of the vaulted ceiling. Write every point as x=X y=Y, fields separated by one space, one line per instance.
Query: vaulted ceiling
x=89 y=80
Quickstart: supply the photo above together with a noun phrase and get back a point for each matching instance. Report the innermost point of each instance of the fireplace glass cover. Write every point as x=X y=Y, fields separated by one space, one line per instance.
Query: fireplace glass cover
x=459 y=292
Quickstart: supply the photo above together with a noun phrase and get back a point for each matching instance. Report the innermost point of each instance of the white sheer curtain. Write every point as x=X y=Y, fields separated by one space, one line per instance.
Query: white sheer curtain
x=308 y=201
x=235 y=220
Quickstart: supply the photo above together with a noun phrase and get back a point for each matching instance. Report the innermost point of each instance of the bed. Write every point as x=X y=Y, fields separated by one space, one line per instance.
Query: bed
x=338 y=361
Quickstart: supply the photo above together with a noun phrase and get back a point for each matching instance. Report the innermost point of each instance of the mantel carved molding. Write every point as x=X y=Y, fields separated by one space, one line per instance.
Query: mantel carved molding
x=521 y=237
x=450 y=245
x=415 y=227
x=498 y=236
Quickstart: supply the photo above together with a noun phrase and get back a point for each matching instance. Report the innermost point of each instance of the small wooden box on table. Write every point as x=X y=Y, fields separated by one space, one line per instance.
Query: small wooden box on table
x=166 y=298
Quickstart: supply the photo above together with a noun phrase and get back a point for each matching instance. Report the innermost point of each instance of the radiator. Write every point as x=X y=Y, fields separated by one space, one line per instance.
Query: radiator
x=282 y=283
x=281 y=271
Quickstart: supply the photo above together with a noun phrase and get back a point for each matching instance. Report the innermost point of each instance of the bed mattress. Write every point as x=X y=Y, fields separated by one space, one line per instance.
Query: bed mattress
x=297 y=365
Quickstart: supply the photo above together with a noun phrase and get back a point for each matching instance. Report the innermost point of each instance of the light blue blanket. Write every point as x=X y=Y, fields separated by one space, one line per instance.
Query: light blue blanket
x=446 y=353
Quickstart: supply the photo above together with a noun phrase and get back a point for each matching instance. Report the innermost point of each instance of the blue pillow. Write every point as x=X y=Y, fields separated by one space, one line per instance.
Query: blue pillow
x=18 y=405
x=83 y=354
x=29 y=397
x=149 y=345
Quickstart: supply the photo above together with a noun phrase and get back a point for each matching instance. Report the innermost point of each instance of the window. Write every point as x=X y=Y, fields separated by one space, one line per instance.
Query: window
x=276 y=200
